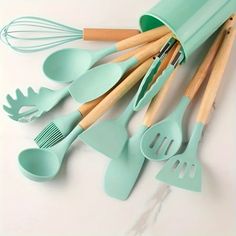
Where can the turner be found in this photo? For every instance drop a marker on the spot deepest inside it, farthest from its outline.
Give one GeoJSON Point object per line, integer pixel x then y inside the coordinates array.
{"type": "Point", "coordinates": [123, 172]}
{"type": "Point", "coordinates": [184, 170]}
{"type": "Point", "coordinates": [164, 139]}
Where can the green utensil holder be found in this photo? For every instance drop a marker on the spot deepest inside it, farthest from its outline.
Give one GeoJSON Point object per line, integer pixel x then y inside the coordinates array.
{"type": "Point", "coordinates": [191, 21]}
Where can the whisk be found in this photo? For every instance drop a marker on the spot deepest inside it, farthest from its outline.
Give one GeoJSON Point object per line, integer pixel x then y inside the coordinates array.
{"type": "Point", "coordinates": [31, 34]}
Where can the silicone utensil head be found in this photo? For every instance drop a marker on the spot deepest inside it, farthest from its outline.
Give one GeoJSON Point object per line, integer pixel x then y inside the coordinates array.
{"type": "Point", "coordinates": [44, 164]}
{"type": "Point", "coordinates": [68, 64]}
{"type": "Point", "coordinates": [114, 136]}
{"type": "Point", "coordinates": [99, 80]}
{"type": "Point", "coordinates": [191, 21]}
{"type": "Point", "coordinates": [164, 139]}
{"type": "Point", "coordinates": [38, 164]}
{"type": "Point", "coordinates": [123, 172]}
{"type": "Point", "coordinates": [184, 170]}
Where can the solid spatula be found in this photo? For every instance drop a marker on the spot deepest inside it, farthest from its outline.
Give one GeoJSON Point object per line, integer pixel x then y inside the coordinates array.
{"type": "Point", "coordinates": [164, 139]}
{"type": "Point", "coordinates": [93, 83]}
{"type": "Point", "coordinates": [113, 132]}
{"type": "Point", "coordinates": [123, 172]}
{"type": "Point", "coordinates": [184, 170]}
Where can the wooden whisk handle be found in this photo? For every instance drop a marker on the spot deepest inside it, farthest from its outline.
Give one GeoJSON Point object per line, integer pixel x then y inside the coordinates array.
{"type": "Point", "coordinates": [216, 77]}
{"type": "Point", "coordinates": [94, 34]}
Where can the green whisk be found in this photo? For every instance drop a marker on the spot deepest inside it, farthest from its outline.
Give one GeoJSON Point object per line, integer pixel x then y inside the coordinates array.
{"type": "Point", "coordinates": [31, 34]}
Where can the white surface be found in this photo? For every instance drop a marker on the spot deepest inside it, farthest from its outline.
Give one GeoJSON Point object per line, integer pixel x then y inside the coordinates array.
{"type": "Point", "coordinates": [74, 203]}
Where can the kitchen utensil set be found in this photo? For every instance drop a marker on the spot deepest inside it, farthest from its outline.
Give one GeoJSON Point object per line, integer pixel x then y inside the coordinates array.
{"type": "Point", "coordinates": [154, 59]}
{"type": "Point", "coordinates": [32, 34]}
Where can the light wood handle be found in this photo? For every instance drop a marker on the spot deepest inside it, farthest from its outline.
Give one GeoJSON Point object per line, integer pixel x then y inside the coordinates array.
{"type": "Point", "coordinates": [157, 101]}
{"type": "Point", "coordinates": [153, 48]}
{"type": "Point", "coordinates": [203, 70]}
{"type": "Point", "coordinates": [87, 107]}
{"type": "Point", "coordinates": [216, 77]}
{"type": "Point", "coordinates": [116, 94]}
{"type": "Point", "coordinates": [93, 34]}
{"type": "Point", "coordinates": [131, 53]}
{"type": "Point", "coordinates": [142, 38]}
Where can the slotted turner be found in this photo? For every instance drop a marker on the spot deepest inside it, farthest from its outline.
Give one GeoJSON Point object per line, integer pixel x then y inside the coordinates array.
{"type": "Point", "coordinates": [184, 170]}
{"type": "Point", "coordinates": [123, 172]}
{"type": "Point", "coordinates": [164, 139]}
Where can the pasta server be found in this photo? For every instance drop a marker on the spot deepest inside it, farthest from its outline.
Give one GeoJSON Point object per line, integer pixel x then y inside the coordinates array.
{"type": "Point", "coordinates": [26, 108]}
{"type": "Point", "coordinates": [184, 170]}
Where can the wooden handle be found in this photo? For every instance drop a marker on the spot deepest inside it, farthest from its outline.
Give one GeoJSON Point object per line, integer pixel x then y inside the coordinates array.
{"type": "Point", "coordinates": [216, 77]}
{"type": "Point", "coordinates": [201, 73]}
{"type": "Point", "coordinates": [93, 34]}
{"type": "Point", "coordinates": [115, 94]}
{"type": "Point", "coordinates": [131, 53]}
{"type": "Point", "coordinates": [153, 48]}
{"type": "Point", "coordinates": [157, 101]}
{"type": "Point", "coordinates": [142, 38]}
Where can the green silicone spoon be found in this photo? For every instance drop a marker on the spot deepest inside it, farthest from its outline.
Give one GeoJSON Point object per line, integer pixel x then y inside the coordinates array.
{"type": "Point", "coordinates": [93, 82]}
{"type": "Point", "coordinates": [164, 139]}
{"type": "Point", "coordinates": [184, 170]}
{"type": "Point", "coordinates": [66, 65]}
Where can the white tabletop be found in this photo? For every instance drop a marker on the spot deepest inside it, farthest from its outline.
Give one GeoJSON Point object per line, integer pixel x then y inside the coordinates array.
{"type": "Point", "coordinates": [74, 203]}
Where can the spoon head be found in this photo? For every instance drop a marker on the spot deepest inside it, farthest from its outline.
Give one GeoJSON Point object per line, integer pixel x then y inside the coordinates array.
{"type": "Point", "coordinates": [67, 65]}
{"type": "Point", "coordinates": [162, 141]}
{"type": "Point", "coordinates": [96, 82]}
{"type": "Point", "coordinates": [39, 164]}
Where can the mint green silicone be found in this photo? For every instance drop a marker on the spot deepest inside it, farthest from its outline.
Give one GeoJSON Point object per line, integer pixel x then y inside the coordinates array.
{"type": "Point", "coordinates": [34, 104]}
{"type": "Point", "coordinates": [123, 172]}
{"type": "Point", "coordinates": [184, 170]}
{"type": "Point", "coordinates": [68, 64]}
{"type": "Point", "coordinates": [44, 164]}
{"type": "Point", "coordinates": [57, 130]}
{"type": "Point", "coordinates": [144, 96]}
{"type": "Point", "coordinates": [114, 134]}
{"type": "Point", "coordinates": [192, 21]}
{"type": "Point", "coordinates": [99, 80]}
{"type": "Point", "coordinates": [164, 139]}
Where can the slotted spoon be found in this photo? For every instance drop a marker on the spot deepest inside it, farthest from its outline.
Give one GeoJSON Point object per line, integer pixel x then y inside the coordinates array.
{"type": "Point", "coordinates": [68, 64]}
{"type": "Point", "coordinates": [184, 170]}
{"type": "Point", "coordinates": [164, 139]}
